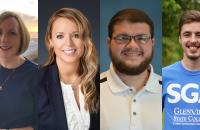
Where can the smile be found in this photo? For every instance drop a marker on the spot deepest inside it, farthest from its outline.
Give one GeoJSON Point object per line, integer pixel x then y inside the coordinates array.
{"type": "Point", "coordinates": [5, 48]}
{"type": "Point", "coordinates": [132, 53]}
{"type": "Point", "coordinates": [193, 47]}
{"type": "Point", "coordinates": [69, 51]}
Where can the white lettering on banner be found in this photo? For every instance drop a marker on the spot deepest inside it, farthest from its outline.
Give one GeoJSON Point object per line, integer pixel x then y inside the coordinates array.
{"type": "Point", "coordinates": [179, 111]}
{"type": "Point", "coordinates": [186, 116]}
{"type": "Point", "coordinates": [195, 96]}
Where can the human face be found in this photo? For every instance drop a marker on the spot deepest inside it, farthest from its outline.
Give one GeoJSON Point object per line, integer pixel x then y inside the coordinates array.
{"type": "Point", "coordinates": [9, 38]}
{"type": "Point", "coordinates": [190, 40]}
{"type": "Point", "coordinates": [66, 41]}
{"type": "Point", "coordinates": [134, 57]}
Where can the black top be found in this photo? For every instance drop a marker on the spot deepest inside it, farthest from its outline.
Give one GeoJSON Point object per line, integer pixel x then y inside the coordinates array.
{"type": "Point", "coordinates": [17, 99]}
{"type": "Point", "coordinates": [51, 108]}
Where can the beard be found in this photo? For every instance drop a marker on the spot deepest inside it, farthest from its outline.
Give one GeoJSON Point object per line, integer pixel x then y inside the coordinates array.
{"type": "Point", "coordinates": [122, 67]}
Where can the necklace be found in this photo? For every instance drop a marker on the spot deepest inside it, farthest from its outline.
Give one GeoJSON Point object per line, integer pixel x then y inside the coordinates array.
{"type": "Point", "coordinates": [6, 79]}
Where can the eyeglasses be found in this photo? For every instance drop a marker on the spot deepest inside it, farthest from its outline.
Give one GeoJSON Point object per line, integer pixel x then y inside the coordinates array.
{"type": "Point", "coordinates": [125, 39]}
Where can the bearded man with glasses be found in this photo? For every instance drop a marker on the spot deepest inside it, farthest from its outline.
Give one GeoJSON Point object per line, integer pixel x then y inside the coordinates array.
{"type": "Point", "coordinates": [130, 92]}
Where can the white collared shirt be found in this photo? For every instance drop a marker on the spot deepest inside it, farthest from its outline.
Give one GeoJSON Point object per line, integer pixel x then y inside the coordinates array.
{"type": "Point", "coordinates": [76, 119]}
{"type": "Point", "coordinates": [121, 108]}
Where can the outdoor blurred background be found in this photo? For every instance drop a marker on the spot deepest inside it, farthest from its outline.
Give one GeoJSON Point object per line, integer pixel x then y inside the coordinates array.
{"type": "Point", "coordinates": [171, 13]}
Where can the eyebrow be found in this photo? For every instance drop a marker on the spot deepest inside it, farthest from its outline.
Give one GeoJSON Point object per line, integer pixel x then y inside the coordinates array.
{"type": "Point", "coordinates": [76, 32]}
{"type": "Point", "coordinates": [187, 32]}
{"type": "Point", "coordinates": [191, 32]}
{"type": "Point", "coordinates": [59, 33]}
{"type": "Point", "coordinates": [63, 32]}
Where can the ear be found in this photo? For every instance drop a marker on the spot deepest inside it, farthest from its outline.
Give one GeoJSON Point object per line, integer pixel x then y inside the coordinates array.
{"type": "Point", "coordinates": [179, 39]}
{"type": "Point", "coordinates": [50, 43]}
{"type": "Point", "coordinates": [108, 41]}
{"type": "Point", "coordinates": [153, 41]}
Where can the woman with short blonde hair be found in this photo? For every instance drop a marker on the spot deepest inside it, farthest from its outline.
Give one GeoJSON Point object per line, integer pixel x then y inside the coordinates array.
{"type": "Point", "coordinates": [17, 75]}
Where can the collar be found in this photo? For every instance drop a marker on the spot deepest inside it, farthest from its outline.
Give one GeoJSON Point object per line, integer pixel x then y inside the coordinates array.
{"type": "Point", "coordinates": [117, 86]}
{"type": "Point", "coordinates": [153, 83]}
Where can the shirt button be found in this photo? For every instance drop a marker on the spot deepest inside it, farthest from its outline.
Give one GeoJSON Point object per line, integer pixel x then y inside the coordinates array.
{"type": "Point", "coordinates": [134, 100]}
{"type": "Point", "coordinates": [134, 113]}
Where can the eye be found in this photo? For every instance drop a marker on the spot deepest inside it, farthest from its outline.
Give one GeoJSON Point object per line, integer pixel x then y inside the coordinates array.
{"type": "Point", "coordinates": [59, 36]}
{"type": "Point", "coordinates": [13, 33]}
{"type": "Point", "coordinates": [186, 34]}
{"type": "Point", "coordinates": [75, 35]}
{"type": "Point", "coordinates": [198, 34]}
{"type": "Point", "coordinates": [122, 38]}
{"type": "Point", "coordinates": [142, 38]}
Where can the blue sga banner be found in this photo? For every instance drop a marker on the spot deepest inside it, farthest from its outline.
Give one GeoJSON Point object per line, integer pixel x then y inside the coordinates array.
{"type": "Point", "coordinates": [181, 98]}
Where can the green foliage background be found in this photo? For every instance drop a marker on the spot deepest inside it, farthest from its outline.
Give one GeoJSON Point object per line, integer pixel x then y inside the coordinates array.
{"type": "Point", "coordinates": [171, 13]}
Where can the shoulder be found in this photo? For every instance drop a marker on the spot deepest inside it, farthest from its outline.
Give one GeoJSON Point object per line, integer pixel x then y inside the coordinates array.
{"type": "Point", "coordinates": [29, 65]}
{"type": "Point", "coordinates": [47, 69]}
{"type": "Point", "coordinates": [44, 72]}
{"type": "Point", "coordinates": [171, 70]}
{"type": "Point", "coordinates": [171, 67]}
{"type": "Point", "coordinates": [103, 77]}
{"type": "Point", "coordinates": [158, 78]}
{"type": "Point", "coordinates": [28, 69]}
{"type": "Point", "coordinates": [104, 82]}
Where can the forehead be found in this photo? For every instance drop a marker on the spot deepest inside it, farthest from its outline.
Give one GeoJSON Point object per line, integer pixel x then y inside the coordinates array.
{"type": "Point", "coordinates": [9, 23]}
{"type": "Point", "coordinates": [191, 27]}
{"type": "Point", "coordinates": [64, 24]}
{"type": "Point", "coordinates": [131, 28]}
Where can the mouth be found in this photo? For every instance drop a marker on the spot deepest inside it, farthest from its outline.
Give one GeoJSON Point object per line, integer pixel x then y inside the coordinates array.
{"type": "Point", "coordinates": [69, 51]}
{"type": "Point", "coordinates": [193, 48]}
{"type": "Point", "coordinates": [5, 48]}
{"type": "Point", "coordinates": [131, 53]}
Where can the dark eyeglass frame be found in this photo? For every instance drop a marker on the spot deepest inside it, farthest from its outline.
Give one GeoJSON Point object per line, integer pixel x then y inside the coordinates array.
{"type": "Point", "coordinates": [140, 39]}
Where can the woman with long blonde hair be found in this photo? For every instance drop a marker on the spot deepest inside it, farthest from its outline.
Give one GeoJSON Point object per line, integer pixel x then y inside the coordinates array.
{"type": "Point", "coordinates": [69, 96]}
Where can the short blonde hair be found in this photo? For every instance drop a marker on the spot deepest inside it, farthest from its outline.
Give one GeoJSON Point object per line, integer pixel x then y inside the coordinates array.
{"type": "Point", "coordinates": [24, 34]}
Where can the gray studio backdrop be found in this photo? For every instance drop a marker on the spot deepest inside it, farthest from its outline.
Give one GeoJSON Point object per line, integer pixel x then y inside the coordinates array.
{"type": "Point", "coordinates": [152, 7]}
{"type": "Point", "coordinates": [90, 8]}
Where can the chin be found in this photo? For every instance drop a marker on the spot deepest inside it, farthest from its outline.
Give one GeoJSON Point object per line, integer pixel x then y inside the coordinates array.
{"type": "Point", "coordinates": [132, 66]}
{"type": "Point", "coordinates": [70, 60]}
{"type": "Point", "coordinates": [6, 56]}
{"type": "Point", "coordinates": [193, 57]}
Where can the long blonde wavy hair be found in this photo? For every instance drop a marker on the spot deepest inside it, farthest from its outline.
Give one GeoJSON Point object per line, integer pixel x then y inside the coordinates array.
{"type": "Point", "coordinates": [89, 61]}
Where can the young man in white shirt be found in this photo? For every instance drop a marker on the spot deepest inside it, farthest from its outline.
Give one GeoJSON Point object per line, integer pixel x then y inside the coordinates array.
{"type": "Point", "coordinates": [130, 92]}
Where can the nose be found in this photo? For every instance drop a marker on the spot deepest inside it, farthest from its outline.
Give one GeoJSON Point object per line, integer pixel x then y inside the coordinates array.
{"type": "Point", "coordinates": [4, 38]}
{"type": "Point", "coordinates": [132, 43]}
{"type": "Point", "coordinates": [193, 38]}
{"type": "Point", "coordinates": [68, 40]}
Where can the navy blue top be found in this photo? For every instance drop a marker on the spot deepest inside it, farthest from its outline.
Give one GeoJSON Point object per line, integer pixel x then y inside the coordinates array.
{"type": "Point", "coordinates": [51, 108]}
{"type": "Point", "coordinates": [17, 98]}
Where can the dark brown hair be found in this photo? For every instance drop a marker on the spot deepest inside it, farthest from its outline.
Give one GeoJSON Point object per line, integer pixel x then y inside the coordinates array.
{"type": "Point", "coordinates": [189, 17]}
{"type": "Point", "coordinates": [132, 16]}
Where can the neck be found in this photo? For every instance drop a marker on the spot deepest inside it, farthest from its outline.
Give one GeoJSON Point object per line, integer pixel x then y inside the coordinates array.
{"type": "Point", "coordinates": [11, 63]}
{"type": "Point", "coordinates": [68, 72]}
{"type": "Point", "coordinates": [135, 81]}
{"type": "Point", "coordinates": [192, 65]}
